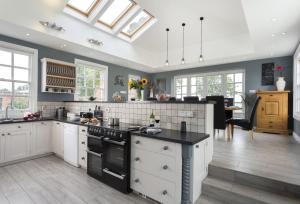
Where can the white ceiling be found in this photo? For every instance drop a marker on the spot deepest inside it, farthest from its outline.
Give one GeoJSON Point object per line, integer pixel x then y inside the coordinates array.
{"type": "Point", "coordinates": [234, 30]}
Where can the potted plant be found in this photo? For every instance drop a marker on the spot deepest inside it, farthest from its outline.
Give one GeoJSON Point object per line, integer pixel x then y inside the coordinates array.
{"type": "Point", "coordinates": [139, 86]}
{"type": "Point", "coordinates": [280, 81]}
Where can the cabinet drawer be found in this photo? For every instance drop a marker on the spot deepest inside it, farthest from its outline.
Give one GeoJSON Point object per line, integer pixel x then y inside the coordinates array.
{"type": "Point", "coordinates": [278, 125]}
{"type": "Point", "coordinates": [83, 130]}
{"type": "Point", "coordinates": [82, 158]}
{"type": "Point", "coordinates": [82, 141]}
{"type": "Point", "coordinates": [153, 187]}
{"type": "Point", "coordinates": [17, 127]}
{"type": "Point", "coordinates": [156, 164]}
{"type": "Point", "coordinates": [272, 97]}
{"type": "Point", "coordinates": [158, 146]}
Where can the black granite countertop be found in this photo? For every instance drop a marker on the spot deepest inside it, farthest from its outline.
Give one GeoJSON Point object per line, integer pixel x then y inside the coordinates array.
{"type": "Point", "coordinates": [188, 138]}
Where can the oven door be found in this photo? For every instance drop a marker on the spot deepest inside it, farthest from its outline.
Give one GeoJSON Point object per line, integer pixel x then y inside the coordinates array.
{"type": "Point", "coordinates": [94, 164]}
{"type": "Point", "coordinates": [114, 156]}
{"type": "Point", "coordinates": [95, 144]}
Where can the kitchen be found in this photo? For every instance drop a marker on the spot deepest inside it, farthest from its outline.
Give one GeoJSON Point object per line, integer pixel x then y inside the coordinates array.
{"type": "Point", "coordinates": [113, 101]}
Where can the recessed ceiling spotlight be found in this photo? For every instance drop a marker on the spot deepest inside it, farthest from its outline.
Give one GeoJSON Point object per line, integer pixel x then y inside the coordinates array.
{"type": "Point", "coordinates": [283, 33]}
{"type": "Point", "coordinates": [63, 45]}
{"type": "Point", "coordinates": [274, 19]}
{"type": "Point", "coordinates": [273, 34]}
{"type": "Point", "coordinates": [27, 34]}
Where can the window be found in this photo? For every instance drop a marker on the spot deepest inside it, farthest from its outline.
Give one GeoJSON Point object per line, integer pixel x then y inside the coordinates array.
{"type": "Point", "coordinates": [229, 84]}
{"type": "Point", "coordinates": [132, 92]}
{"type": "Point", "coordinates": [91, 80]}
{"type": "Point", "coordinates": [84, 7]}
{"type": "Point", "coordinates": [137, 23]}
{"type": "Point", "coordinates": [115, 12]}
{"type": "Point", "coordinates": [17, 89]}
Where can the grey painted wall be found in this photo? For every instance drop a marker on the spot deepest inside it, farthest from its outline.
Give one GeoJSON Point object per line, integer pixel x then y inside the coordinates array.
{"type": "Point", "coordinates": [252, 72]}
{"type": "Point", "coordinates": [252, 76]}
{"type": "Point", "coordinates": [47, 52]}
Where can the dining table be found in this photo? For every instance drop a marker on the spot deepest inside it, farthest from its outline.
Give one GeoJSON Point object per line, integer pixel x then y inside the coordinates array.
{"type": "Point", "coordinates": [229, 111]}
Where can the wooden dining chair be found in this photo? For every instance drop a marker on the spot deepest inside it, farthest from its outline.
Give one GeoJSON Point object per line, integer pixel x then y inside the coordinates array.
{"type": "Point", "coordinates": [246, 123]}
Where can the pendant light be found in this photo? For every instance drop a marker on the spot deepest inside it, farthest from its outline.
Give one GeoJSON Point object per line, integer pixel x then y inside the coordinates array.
{"type": "Point", "coordinates": [201, 53]}
{"type": "Point", "coordinates": [182, 59]}
{"type": "Point", "coordinates": [167, 60]}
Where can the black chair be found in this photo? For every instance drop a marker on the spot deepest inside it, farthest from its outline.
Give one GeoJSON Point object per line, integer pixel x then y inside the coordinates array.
{"type": "Point", "coordinates": [219, 112]}
{"type": "Point", "coordinates": [228, 102]}
{"type": "Point", "coordinates": [247, 123]}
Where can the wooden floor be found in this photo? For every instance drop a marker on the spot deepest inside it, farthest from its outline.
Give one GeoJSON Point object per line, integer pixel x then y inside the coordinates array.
{"type": "Point", "coordinates": [269, 155]}
{"type": "Point", "coordinates": [51, 180]}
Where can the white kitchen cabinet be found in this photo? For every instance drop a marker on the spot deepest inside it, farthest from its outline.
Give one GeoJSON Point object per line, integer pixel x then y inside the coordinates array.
{"type": "Point", "coordinates": [41, 138]}
{"type": "Point", "coordinates": [17, 144]}
{"type": "Point", "coordinates": [82, 146]}
{"type": "Point", "coordinates": [71, 144]}
{"type": "Point", "coordinates": [2, 146]}
{"type": "Point", "coordinates": [58, 138]}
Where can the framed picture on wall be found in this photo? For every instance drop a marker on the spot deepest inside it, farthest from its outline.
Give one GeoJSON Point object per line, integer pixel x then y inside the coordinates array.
{"type": "Point", "coordinates": [267, 74]}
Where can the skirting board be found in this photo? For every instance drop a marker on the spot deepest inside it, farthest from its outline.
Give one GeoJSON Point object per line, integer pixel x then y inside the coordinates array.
{"type": "Point", "coordinates": [25, 159]}
{"type": "Point", "coordinates": [296, 137]}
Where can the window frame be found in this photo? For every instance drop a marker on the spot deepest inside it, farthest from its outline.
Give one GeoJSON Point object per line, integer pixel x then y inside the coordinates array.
{"type": "Point", "coordinates": [296, 85]}
{"type": "Point", "coordinates": [32, 74]}
{"type": "Point", "coordinates": [119, 17]}
{"type": "Point", "coordinates": [205, 84]}
{"type": "Point", "coordinates": [140, 27]}
{"type": "Point", "coordinates": [104, 68]}
{"type": "Point", "coordinates": [88, 13]}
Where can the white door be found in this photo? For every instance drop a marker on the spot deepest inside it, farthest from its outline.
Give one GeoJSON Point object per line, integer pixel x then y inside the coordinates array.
{"type": "Point", "coordinates": [17, 145]}
{"type": "Point", "coordinates": [71, 144]}
{"type": "Point", "coordinates": [2, 146]}
{"type": "Point", "coordinates": [42, 138]}
{"type": "Point", "coordinates": [58, 138]}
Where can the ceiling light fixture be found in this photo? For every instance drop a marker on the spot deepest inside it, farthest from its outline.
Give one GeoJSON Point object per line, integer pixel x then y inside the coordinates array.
{"type": "Point", "coordinates": [273, 34]}
{"type": "Point", "coordinates": [182, 59]}
{"type": "Point", "coordinates": [27, 34]}
{"type": "Point", "coordinates": [201, 53]}
{"type": "Point", "coordinates": [52, 26]}
{"type": "Point", "coordinates": [95, 42]}
{"type": "Point", "coordinates": [274, 19]}
{"type": "Point", "coordinates": [283, 33]}
{"type": "Point", "coordinates": [167, 60]}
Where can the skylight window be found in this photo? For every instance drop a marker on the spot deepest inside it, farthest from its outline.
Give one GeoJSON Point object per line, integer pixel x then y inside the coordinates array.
{"type": "Point", "coordinates": [137, 23]}
{"type": "Point", "coordinates": [84, 7]}
{"type": "Point", "coordinates": [115, 12]}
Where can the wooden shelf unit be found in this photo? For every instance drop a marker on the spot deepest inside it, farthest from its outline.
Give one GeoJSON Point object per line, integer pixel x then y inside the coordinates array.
{"type": "Point", "coordinates": [58, 76]}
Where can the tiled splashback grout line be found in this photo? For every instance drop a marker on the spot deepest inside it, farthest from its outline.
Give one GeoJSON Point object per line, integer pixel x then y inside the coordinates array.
{"type": "Point", "coordinates": [138, 113]}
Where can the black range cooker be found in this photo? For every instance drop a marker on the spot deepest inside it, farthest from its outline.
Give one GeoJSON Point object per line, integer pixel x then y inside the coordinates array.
{"type": "Point", "coordinates": [109, 156]}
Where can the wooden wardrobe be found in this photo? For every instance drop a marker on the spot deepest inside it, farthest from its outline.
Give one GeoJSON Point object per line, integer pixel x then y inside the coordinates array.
{"type": "Point", "coordinates": [272, 112]}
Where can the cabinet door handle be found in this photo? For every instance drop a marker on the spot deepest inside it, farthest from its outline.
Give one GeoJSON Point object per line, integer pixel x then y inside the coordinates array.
{"type": "Point", "coordinates": [137, 142]}
{"type": "Point", "coordinates": [165, 167]}
{"type": "Point", "coordinates": [82, 158]}
{"type": "Point", "coordinates": [19, 126]}
{"type": "Point", "coordinates": [166, 148]}
{"type": "Point", "coordinates": [3, 135]}
{"type": "Point", "coordinates": [83, 143]}
{"type": "Point", "coordinates": [271, 95]}
{"type": "Point", "coordinates": [8, 133]}
{"type": "Point", "coordinates": [137, 159]}
{"type": "Point", "coordinates": [197, 146]}
{"type": "Point", "coordinates": [165, 192]}
{"type": "Point", "coordinates": [137, 180]}
{"type": "Point", "coordinates": [82, 130]}
{"type": "Point", "coordinates": [57, 123]}
{"type": "Point", "coordinates": [262, 109]}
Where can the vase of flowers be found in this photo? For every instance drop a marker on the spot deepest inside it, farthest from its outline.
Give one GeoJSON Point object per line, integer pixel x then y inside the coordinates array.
{"type": "Point", "coordinates": [139, 86]}
{"type": "Point", "coordinates": [280, 83]}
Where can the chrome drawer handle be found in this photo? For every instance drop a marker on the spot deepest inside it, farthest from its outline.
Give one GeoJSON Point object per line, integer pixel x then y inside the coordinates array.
{"type": "Point", "coordinates": [8, 133]}
{"type": "Point", "coordinates": [82, 130]}
{"type": "Point", "coordinates": [165, 192]}
{"type": "Point", "coordinates": [3, 135]}
{"type": "Point", "coordinates": [106, 170]}
{"type": "Point", "coordinates": [166, 147]}
{"type": "Point", "coordinates": [165, 167]}
{"type": "Point", "coordinates": [137, 159]}
{"type": "Point", "coordinates": [137, 180]}
{"type": "Point", "coordinates": [19, 126]}
{"type": "Point", "coordinates": [137, 142]}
